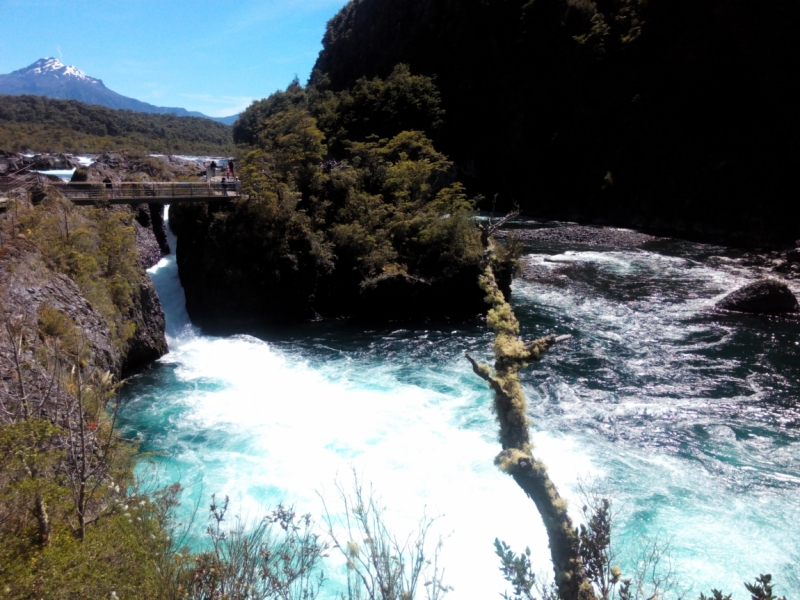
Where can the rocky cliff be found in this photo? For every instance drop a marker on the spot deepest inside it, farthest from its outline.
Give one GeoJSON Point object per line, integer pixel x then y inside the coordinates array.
{"type": "Point", "coordinates": [149, 342]}
{"type": "Point", "coordinates": [28, 286]}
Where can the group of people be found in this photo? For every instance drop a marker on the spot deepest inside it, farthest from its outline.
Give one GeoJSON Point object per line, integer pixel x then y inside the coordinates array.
{"type": "Point", "coordinates": [227, 185]}
{"type": "Point", "coordinates": [212, 169]}
{"type": "Point", "coordinates": [229, 181]}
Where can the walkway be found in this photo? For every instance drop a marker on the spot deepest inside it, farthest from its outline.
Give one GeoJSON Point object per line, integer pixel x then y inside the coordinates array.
{"type": "Point", "coordinates": [137, 193]}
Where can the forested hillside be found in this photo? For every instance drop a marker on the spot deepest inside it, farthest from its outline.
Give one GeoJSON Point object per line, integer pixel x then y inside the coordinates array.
{"type": "Point", "coordinates": [663, 113]}
{"type": "Point", "coordinates": [37, 123]}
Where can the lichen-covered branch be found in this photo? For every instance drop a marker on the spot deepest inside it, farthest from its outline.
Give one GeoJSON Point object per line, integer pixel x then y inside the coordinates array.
{"type": "Point", "coordinates": [516, 459]}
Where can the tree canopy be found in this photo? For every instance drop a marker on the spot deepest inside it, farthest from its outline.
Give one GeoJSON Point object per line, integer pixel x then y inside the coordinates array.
{"type": "Point", "coordinates": [351, 210]}
{"type": "Point", "coordinates": [668, 113]}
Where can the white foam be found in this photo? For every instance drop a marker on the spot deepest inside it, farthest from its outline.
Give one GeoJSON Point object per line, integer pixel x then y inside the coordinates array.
{"type": "Point", "coordinates": [263, 424]}
{"type": "Point", "coordinates": [274, 428]}
{"type": "Point", "coordinates": [65, 174]}
{"type": "Point", "coordinates": [288, 427]}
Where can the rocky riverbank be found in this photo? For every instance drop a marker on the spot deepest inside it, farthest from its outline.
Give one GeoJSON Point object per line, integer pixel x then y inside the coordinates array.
{"type": "Point", "coordinates": [783, 263]}
{"type": "Point", "coordinates": [13, 162]}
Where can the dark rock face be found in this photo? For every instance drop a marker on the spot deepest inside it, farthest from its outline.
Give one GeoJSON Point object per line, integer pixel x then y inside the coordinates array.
{"type": "Point", "coordinates": [29, 286]}
{"type": "Point", "coordinates": [149, 224]}
{"type": "Point", "coordinates": [159, 227]}
{"type": "Point", "coordinates": [148, 343]}
{"type": "Point", "coordinates": [766, 296]}
{"type": "Point", "coordinates": [400, 296]}
{"type": "Point", "coordinates": [227, 291]}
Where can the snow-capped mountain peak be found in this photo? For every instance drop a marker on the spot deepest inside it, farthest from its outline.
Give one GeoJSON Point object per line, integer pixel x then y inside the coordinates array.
{"type": "Point", "coordinates": [53, 66]}
{"type": "Point", "coordinates": [52, 78]}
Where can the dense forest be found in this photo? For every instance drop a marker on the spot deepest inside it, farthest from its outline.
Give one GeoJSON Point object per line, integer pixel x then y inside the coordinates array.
{"type": "Point", "coordinates": [351, 211]}
{"type": "Point", "coordinates": [38, 123]}
{"type": "Point", "coordinates": [665, 114]}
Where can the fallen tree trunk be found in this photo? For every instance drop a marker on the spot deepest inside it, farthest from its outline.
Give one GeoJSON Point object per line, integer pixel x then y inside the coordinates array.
{"type": "Point", "coordinates": [516, 458]}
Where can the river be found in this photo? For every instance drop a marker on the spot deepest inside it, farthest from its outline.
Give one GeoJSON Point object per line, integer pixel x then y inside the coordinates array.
{"type": "Point", "coordinates": [687, 418]}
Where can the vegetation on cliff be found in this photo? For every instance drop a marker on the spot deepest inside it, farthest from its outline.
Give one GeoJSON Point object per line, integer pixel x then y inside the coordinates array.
{"type": "Point", "coordinates": [664, 113]}
{"type": "Point", "coordinates": [93, 247]}
{"type": "Point", "coordinates": [350, 212]}
{"type": "Point", "coordinates": [69, 524]}
{"type": "Point", "coordinates": [38, 123]}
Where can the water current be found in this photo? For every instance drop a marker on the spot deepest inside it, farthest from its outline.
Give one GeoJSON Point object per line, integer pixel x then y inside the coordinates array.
{"type": "Point", "coordinates": [687, 418]}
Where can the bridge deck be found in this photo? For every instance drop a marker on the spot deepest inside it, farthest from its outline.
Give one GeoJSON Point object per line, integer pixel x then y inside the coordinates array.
{"type": "Point", "coordinates": [140, 193]}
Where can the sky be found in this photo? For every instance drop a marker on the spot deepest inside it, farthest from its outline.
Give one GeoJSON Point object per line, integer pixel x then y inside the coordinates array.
{"type": "Point", "coordinates": [213, 57]}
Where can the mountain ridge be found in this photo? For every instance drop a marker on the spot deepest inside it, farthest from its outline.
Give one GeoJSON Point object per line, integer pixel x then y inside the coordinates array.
{"type": "Point", "coordinates": [51, 78]}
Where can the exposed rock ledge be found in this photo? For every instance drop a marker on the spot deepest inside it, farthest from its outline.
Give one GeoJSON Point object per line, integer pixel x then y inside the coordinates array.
{"type": "Point", "coordinates": [27, 285]}
{"type": "Point", "coordinates": [766, 296]}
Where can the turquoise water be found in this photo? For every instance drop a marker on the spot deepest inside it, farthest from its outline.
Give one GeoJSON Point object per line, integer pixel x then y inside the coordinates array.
{"type": "Point", "coordinates": [688, 418]}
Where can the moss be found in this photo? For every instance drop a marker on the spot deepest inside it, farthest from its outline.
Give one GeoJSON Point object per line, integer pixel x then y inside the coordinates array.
{"type": "Point", "coordinates": [516, 459]}
{"type": "Point", "coordinates": [508, 460]}
{"type": "Point", "coordinates": [485, 369]}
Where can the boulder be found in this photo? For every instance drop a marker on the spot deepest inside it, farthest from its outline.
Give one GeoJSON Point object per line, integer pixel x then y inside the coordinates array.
{"type": "Point", "coordinates": [48, 162]}
{"type": "Point", "coordinates": [766, 296]}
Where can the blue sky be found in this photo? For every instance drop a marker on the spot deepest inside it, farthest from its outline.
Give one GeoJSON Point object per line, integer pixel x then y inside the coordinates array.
{"type": "Point", "coordinates": [215, 57]}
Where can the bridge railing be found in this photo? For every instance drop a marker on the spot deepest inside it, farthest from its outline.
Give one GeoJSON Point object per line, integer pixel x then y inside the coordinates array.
{"type": "Point", "coordinates": [147, 190]}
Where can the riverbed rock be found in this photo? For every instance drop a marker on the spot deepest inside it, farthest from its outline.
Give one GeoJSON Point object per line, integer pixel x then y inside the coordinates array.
{"type": "Point", "coordinates": [48, 162]}
{"type": "Point", "coordinates": [584, 235]}
{"type": "Point", "coordinates": [766, 296]}
{"type": "Point", "coordinates": [132, 166]}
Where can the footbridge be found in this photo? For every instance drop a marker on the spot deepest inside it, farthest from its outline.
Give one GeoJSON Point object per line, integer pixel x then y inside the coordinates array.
{"type": "Point", "coordinates": [170, 192]}
{"type": "Point", "coordinates": [140, 193]}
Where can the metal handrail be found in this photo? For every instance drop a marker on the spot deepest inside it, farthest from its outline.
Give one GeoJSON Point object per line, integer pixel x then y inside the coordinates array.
{"type": "Point", "coordinates": [155, 190]}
